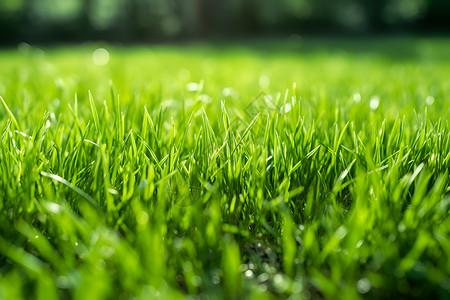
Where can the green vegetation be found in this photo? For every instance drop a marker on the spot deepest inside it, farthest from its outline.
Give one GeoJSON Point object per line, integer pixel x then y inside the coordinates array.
{"type": "Point", "coordinates": [226, 172]}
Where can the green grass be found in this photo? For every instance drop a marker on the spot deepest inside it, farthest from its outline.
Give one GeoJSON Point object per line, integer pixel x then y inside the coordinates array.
{"type": "Point", "coordinates": [269, 171]}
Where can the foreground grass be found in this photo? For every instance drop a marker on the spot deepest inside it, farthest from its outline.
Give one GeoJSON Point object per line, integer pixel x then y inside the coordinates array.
{"type": "Point", "coordinates": [232, 173]}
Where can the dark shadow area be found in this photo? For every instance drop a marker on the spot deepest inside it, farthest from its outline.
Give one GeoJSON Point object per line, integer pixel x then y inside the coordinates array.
{"type": "Point", "coordinates": [395, 47]}
{"type": "Point", "coordinates": [150, 21]}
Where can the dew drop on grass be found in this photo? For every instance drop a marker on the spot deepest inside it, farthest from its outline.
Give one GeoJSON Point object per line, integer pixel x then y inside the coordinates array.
{"type": "Point", "coordinates": [286, 108]}
{"type": "Point", "coordinates": [59, 83]}
{"type": "Point", "coordinates": [193, 86]}
{"type": "Point", "coordinates": [178, 243]}
{"type": "Point", "coordinates": [357, 97]}
{"type": "Point", "coordinates": [205, 98]}
{"type": "Point", "coordinates": [142, 217]}
{"type": "Point", "coordinates": [215, 280]}
{"type": "Point", "coordinates": [263, 288]}
{"type": "Point", "coordinates": [243, 267]}
{"type": "Point", "coordinates": [359, 244]}
{"type": "Point", "coordinates": [268, 99]}
{"type": "Point", "coordinates": [429, 100]}
{"type": "Point", "coordinates": [363, 286]}
{"type": "Point", "coordinates": [248, 274]}
{"type": "Point", "coordinates": [341, 232]}
{"type": "Point", "coordinates": [264, 81]}
{"type": "Point", "coordinates": [107, 251]}
{"type": "Point", "coordinates": [100, 57]}
{"type": "Point", "coordinates": [374, 102]}
{"type": "Point", "coordinates": [53, 207]}
{"type": "Point", "coordinates": [263, 277]}
{"type": "Point", "coordinates": [228, 92]}
{"type": "Point", "coordinates": [281, 283]}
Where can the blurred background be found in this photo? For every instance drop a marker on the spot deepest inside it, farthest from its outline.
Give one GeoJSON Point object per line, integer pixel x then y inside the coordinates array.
{"type": "Point", "coordinates": [141, 21]}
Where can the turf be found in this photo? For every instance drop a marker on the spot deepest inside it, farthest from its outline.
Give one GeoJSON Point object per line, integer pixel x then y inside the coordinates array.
{"type": "Point", "coordinates": [302, 169]}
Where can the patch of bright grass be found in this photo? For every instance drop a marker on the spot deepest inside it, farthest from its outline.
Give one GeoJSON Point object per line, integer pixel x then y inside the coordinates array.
{"type": "Point", "coordinates": [225, 172]}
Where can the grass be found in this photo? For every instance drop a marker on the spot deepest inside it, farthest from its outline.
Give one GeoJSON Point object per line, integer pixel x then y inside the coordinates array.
{"type": "Point", "coordinates": [226, 172]}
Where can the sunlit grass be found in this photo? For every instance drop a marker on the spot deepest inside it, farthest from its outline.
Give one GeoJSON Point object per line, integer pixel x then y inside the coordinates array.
{"type": "Point", "coordinates": [225, 172]}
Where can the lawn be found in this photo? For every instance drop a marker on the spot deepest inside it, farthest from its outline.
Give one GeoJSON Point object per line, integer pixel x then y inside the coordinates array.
{"type": "Point", "coordinates": [300, 169]}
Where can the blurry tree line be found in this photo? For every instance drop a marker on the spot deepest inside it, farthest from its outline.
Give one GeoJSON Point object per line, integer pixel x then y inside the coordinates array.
{"type": "Point", "coordinates": [149, 20]}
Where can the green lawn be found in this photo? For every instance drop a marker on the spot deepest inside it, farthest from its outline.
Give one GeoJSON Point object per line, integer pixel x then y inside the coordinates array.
{"type": "Point", "coordinates": [267, 169]}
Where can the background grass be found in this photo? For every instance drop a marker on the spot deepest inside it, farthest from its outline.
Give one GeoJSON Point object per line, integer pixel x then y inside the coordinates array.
{"type": "Point", "coordinates": [302, 169]}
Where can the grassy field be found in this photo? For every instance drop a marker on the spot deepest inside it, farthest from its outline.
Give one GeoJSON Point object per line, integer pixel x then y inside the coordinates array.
{"type": "Point", "coordinates": [304, 169]}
